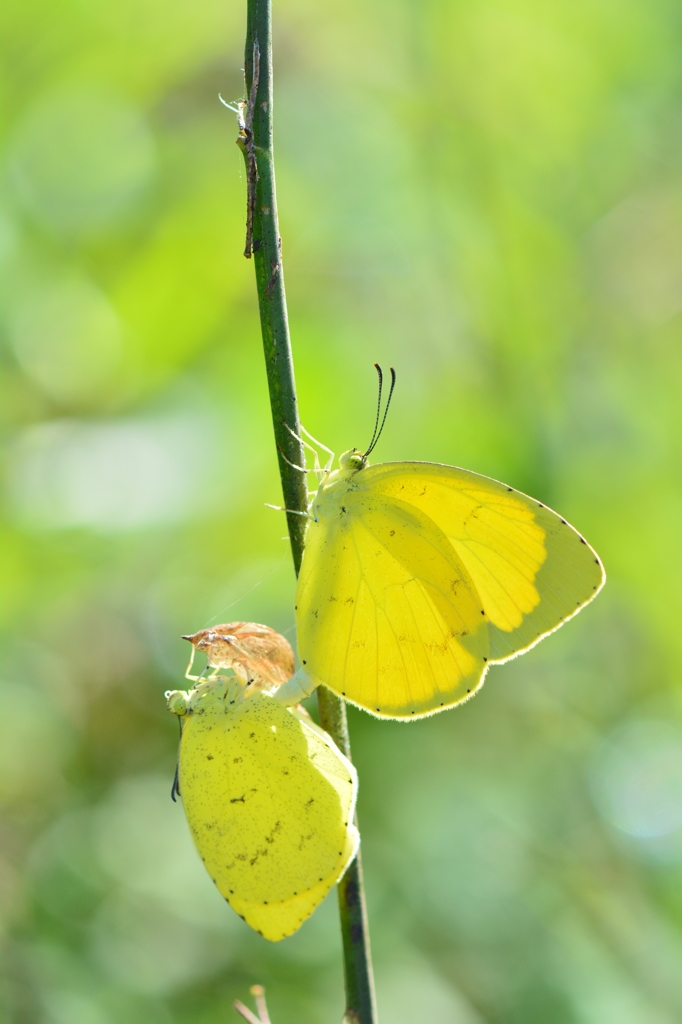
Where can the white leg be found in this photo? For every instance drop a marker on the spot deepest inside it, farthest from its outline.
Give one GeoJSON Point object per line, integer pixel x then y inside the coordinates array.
{"type": "Point", "coordinates": [291, 511]}
{"type": "Point", "coordinates": [300, 439]}
{"type": "Point", "coordinates": [301, 469]}
{"type": "Point", "coordinates": [317, 468]}
{"type": "Point", "coordinates": [318, 443]}
{"type": "Point", "coordinates": [322, 471]}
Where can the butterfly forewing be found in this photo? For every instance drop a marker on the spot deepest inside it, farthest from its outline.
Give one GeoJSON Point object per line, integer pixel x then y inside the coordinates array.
{"type": "Point", "coordinates": [531, 569]}
{"type": "Point", "coordinates": [387, 613]}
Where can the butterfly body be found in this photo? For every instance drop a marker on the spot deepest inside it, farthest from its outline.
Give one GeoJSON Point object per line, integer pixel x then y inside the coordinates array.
{"type": "Point", "coordinates": [417, 576]}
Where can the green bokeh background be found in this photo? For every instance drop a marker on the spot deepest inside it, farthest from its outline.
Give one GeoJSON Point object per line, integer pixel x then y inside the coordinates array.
{"type": "Point", "coordinates": [485, 194]}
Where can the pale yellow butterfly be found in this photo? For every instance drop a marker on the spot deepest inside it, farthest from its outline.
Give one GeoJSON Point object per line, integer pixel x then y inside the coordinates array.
{"type": "Point", "coordinates": [416, 577]}
{"type": "Point", "coordinates": [269, 800]}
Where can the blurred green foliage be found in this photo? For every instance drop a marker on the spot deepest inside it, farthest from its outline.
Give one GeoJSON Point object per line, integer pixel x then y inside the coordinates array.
{"type": "Point", "coordinates": [486, 194]}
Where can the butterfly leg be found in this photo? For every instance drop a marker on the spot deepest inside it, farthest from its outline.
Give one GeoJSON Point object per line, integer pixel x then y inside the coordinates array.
{"type": "Point", "coordinates": [301, 469]}
{"type": "Point", "coordinates": [327, 468]}
{"type": "Point", "coordinates": [317, 466]}
{"type": "Point", "coordinates": [291, 511]}
{"type": "Point", "coordinates": [318, 443]}
{"type": "Point", "coordinates": [302, 440]}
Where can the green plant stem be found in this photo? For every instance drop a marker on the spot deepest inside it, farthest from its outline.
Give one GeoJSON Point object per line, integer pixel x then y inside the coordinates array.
{"type": "Point", "coordinates": [357, 958]}
{"type": "Point", "coordinates": [263, 244]}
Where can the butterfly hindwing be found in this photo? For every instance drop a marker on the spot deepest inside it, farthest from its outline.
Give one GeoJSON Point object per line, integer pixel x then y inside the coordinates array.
{"type": "Point", "coordinates": [269, 800]}
{"type": "Point", "coordinates": [417, 576]}
{"type": "Point", "coordinates": [531, 569]}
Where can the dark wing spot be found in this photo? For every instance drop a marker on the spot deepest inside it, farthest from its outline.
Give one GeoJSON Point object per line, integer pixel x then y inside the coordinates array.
{"type": "Point", "coordinates": [540, 505]}
{"type": "Point", "coordinates": [305, 662]}
{"type": "Point", "coordinates": [583, 541]}
{"type": "Point", "coordinates": [510, 488]}
{"type": "Point", "coordinates": [485, 659]}
{"type": "Point", "coordinates": [596, 561]}
{"type": "Point", "coordinates": [564, 522]}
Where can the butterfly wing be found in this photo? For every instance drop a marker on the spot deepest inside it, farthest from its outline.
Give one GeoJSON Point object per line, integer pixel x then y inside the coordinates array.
{"type": "Point", "coordinates": [387, 613]}
{"type": "Point", "coordinates": [532, 570]}
{"type": "Point", "coordinates": [270, 802]}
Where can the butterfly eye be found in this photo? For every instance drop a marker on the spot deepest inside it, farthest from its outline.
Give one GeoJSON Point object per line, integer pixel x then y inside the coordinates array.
{"type": "Point", "coordinates": [352, 460]}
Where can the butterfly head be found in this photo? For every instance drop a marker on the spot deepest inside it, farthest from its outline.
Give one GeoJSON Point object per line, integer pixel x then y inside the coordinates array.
{"type": "Point", "coordinates": [351, 461]}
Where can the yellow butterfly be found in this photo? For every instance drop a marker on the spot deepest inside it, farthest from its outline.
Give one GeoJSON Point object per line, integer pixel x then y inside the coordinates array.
{"type": "Point", "coordinates": [268, 796]}
{"type": "Point", "coordinates": [416, 577]}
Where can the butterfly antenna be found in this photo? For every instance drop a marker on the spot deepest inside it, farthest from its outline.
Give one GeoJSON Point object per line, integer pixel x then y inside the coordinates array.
{"type": "Point", "coordinates": [379, 429]}
{"type": "Point", "coordinates": [376, 422]}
